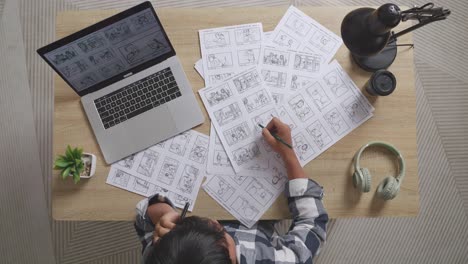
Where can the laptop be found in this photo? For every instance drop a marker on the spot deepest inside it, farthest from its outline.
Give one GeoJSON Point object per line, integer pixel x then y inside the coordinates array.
{"type": "Point", "coordinates": [131, 83]}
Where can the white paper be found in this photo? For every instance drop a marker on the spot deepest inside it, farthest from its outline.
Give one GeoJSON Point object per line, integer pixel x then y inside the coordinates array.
{"type": "Point", "coordinates": [246, 198]}
{"type": "Point", "coordinates": [175, 167]}
{"type": "Point", "coordinates": [228, 50]}
{"type": "Point", "coordinates": [286, 72]}
{"type": "Point", "coordinates": [297, 31]}
{"type": "Point", "coordinates": [236, 107]}
{"type": "Point", "coordinates": [324, 112]}
{"type": "Point", "coordinates": [199, 63]}
{"type": "Point", "coordinates": [219, 163]}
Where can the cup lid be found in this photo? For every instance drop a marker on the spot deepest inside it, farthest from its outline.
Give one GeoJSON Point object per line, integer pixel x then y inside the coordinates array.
{"type": "Point", "coordinates": [383, 82]}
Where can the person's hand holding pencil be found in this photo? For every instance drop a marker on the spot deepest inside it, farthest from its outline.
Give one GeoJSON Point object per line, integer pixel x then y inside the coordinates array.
{"type": "Point", "coordinates": [278, 135]}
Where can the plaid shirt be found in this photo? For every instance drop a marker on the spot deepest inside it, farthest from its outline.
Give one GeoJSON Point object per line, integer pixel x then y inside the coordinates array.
{"type": "Point", "coordinates": [261, 243]}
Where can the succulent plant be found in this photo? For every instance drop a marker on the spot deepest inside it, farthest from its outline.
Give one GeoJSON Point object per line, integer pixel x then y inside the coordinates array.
{"type": "Point", "coordinates": [70, 164]}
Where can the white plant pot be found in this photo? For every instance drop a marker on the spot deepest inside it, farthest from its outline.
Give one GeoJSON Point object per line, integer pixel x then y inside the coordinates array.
{"type": "Point", "coordinates": [92, 159]}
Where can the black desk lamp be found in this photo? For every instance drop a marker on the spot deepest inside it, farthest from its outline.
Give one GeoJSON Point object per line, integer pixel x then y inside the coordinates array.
{"type": "Point", "coordinates": [367, 32]}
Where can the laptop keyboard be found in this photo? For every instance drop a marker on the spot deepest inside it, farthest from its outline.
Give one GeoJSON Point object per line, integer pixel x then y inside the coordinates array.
{"type": "Point", "coordinates": [136, 98]}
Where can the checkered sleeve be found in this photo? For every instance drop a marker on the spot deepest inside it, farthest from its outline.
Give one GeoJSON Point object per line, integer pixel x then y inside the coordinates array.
{"type": "Point", "coordinates": [144, 227]}
{"type": "Point", "coordinates": [308, 230]}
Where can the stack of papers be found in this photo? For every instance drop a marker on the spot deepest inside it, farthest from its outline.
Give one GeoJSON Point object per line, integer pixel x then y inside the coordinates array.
{"type": "Point", "coordinates": [252, 76]}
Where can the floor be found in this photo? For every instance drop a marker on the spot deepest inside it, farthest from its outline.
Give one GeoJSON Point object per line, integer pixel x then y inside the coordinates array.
{"type": "Point", "coordinates": [438, 235]}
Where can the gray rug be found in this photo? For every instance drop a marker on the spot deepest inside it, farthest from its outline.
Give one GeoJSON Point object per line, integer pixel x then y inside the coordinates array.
{"type": "Point", "coordinates": [438, 235]}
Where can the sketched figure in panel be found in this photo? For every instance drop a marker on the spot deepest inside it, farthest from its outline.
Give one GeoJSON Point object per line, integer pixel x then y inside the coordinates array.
{"type": "Point", "coordinates": [187, 181]}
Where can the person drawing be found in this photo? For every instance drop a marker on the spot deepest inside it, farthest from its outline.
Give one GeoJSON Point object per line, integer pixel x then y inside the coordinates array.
{"type": "Point", "coordinates": [168, 239]}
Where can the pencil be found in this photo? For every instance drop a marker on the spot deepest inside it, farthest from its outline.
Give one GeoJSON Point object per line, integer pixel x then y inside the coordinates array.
{"type": "Point", "coordinates": [278, 138]}
{"type": "Point", "coordinates": [184, 211]}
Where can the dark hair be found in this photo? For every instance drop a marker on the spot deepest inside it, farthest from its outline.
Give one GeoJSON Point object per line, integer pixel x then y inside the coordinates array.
{"type": "Point", "coordinates": [195, 240]}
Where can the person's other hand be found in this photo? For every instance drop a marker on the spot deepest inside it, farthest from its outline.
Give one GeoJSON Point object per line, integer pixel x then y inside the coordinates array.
{"type": "Point", "coordinates": [284, 132]}
{"type": "Point", "coordinates": [166, 223]}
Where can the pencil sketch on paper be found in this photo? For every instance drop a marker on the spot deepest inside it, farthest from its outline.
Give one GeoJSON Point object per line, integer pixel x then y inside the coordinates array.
{"type": "Point", "coordinates": [278, 98]}
{"type": "Point", "coordinates": [302, 147]}
{"type": "Point", "coordinates": [308, 63]}
{"type": "Point", "coordinates": [319, 135]}
{"type": "Point", "coordinates": [246, 81]}
{"type": "Point", "coordinates": [160, 190]}
{"type": "Point", "coordinates": [263, 119]}
{"type": "Point", "coordinates": [274, 78]}
{"type": "Point", "coordinates": [92, 43]}
{"type": "Point", "coordinates": [275, 57]}
{"type": "Point", "coordinates": [118, 32]}
{"type": "Point", "coordinates": [101, 57]}
{"type": "Point", "coordinates": [141, 186]}
{"type": "Point", "coordinates": [244, 208]}
{"type": "Point", "coordinates": [127, 162]}
{"type": "Point", "coordinates": [121, 178]}
{"type": "Point", "coordinates": [220, 158]}
{"type": "Point", "coordinates": [259, 166]}
{"type": "Point", "coordinates": [323, 41]}
{"type": "Point", "coordinates": [237, 133]}
{"type": "Point", "coordinates": [256, 100]}
{"type": "Point", "coordinates": [199, 150]}
{"type": "Point", "coordinates": [335, 83]}
{"type": "Point", "coordinates": [142, 21]}
{"type": "Point", "coordinates": [219, 60]}
{"type": "Point", "coordinates": [283, 39]}
{"type": "Point", "coordinates": [219, 77]}
{"type": "Point", "coordinates": [336, 121]}
{"type": "Point", "coordinates": [248, 36]}
{"type": "Point", "coordinates": [299, 82]}
{"type": "Point", "coordinates": [188, 179]}
{"type": "Point", "coordinates": [300, 107]}
{"type": "Point", "coordinates": [297, 25]}
{"type": "Point", "coordinates": [161, 144]}
{"type": "Point", "coordinates": [112, 68]}
{"type": "Point", "coordinates": [319, 97]}
{"type": "Point", "coordinates": [227, 114]}
{"type": "Point", "coordinates": [286, 118]}
{"type": "Point", "coordinates": [354, 109]}
{"type": "Point", "coordinates": [218, 94]}
{"type": "Point", "coordinates": [259, 192]}
{"type": "Point", "coordinates": [148, 163]}
{"type": "Point", "coordinates": [239, 179]}
{"type": "Point", "coordinates": [180, 143]}
{"type": "Point", "coordinates": [64, 55]}
{"type": "Point", "coordinates": [74, 68]}
{"type": "Point", "coordinates": [221, 188]}
{"type": "Point", "coordinates": [279, 178]}
{"type": "Point", "coordinates": [168, 171]}
{"type": "Point", "coordinates": [217, 39]}
{"type": "Point", "coordinates": [246, 153]}
{"type": "Point", "coordinates": [248, 56]}
{"type": "Point", "coordinates": [181, 200]}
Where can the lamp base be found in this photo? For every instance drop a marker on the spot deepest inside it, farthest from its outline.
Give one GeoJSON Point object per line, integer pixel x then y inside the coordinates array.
{"type": "Point", "coordinates": [383, 60]}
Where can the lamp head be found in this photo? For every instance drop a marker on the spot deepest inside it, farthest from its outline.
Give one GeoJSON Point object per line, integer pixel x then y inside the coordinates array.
{"type": "Point", "coordinates": [366, 31]}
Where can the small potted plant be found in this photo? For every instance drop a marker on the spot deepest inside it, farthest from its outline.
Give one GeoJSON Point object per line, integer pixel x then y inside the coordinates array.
{"type": "Point", "coordinates": [76, 164]}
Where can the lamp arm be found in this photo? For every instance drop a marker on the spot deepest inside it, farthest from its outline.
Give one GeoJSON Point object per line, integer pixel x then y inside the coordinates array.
{"type": "Point", "coordinates": [425, 14]}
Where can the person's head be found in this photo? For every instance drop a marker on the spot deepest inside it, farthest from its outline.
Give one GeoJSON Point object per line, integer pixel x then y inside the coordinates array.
{"type": "Point", "coordinates": [195, 240]}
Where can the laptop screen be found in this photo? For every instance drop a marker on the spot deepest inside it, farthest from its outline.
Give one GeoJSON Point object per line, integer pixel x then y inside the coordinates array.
{"type": "Point", "coordinates": [128, 41]}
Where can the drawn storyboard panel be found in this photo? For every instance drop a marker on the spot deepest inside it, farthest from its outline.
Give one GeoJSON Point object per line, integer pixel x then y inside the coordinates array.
{"type": "Point", "coordinates": [199, 63]}
{"type": "Point", "coordinates": [236, 107]}
{"type": "Point", "coordinates": [228, 50]}
{"type": "Point", "coordinates": [285, 71]}
{"type": "Point", "coordinates": [219, 163]}
{"type": "Point", "coordinates": [246, 198]}
{"type": "Point", "coordinates": [298, 31]}
{"type": "Point", "coordinates": [319, 116]}
{"type": "Point", "coordinates": [176, 166]}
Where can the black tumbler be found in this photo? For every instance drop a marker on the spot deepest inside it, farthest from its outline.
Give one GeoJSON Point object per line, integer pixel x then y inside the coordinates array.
{"type": "Point", "coordinates": [381, 83]}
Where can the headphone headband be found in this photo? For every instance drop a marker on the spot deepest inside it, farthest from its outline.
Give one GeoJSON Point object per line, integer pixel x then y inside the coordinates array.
{"type": "Point", "coordinates": [387, 146]}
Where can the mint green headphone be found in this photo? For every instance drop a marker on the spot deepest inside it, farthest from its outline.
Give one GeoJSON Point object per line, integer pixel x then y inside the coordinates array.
{"type": "Point", "coordinates": [390, 186]}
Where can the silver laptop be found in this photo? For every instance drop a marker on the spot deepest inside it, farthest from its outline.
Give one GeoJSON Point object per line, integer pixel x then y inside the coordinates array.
{"type": "Point", "coordinates": [132, 85]}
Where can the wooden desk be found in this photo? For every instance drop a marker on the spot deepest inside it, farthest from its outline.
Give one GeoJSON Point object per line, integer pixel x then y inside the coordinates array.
{"type": "Point", "coordinates": [394, 121]}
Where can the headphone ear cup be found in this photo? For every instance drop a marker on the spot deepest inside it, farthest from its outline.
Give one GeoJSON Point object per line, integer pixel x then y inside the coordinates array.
{"type": "Point", "coordinates": [362, 180]}
{"type": "Point", "coordinates": [366, 179]}
{"type": "Point", "coordinates": [388, 188]}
